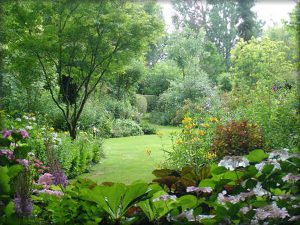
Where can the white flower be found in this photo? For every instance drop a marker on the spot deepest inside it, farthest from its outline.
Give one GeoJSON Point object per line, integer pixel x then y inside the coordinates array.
{"type": "Point", "coordinates": [201, 217]}
{"type": "Point", "coordinates": [29, 127]}
{"type": "Point", "coordinates": [291, 177]}
{"type": "Point", "coordinates": [279, 154]}
{"type": "Point", "coordinates": [187, 214]}
{"type": "Point", "coordinates": [199, 189]}
{"type": "Point", "coordinates": [233, 162]}
{"type": "Point", "coordinates": [245, 209]}
{"type": "Point", "coordinates": [165, 198]}
{"type": "Point", "coordinates": [259, 191]}
{"type": "Point", "coordinates": [271, 211]}
{"type": "Point", "coordinates": [25, 117]}
{"type": "Point", "coordinates": [18, 119]}
{"type": "Point", "coordinates": [273, 162]}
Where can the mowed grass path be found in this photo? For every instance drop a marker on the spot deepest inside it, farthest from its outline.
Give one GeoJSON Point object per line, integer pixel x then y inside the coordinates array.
{"type": "Point", "coordinates": [126, 159]}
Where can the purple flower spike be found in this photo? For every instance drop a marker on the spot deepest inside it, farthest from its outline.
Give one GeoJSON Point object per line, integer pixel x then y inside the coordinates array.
{"type": "Point", "coordinates": [23, 206]}
{"type": "Point", "coordinates": [60, 178]}
{"type": "Point", "coordinates": [6, 133]}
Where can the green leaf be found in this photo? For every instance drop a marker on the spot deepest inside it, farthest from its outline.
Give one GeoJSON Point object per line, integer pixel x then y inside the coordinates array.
{"type": "Point", "coordinates": [14, 170]}
{"type": "Point", "coordinates": [4, 142]}
{"type": "Point", "coordinates": [21, 152]}
{"type": "Point", "coordinates": [9, 209]}
{"type": "Point", "coordinates": [256, 155]}
{"type": "Point", "coordinates": [221, 212]}
{"type": "Point", "coordinates": [219, 170]}
{"type": "Point", "coordinates": [187, 202]}
{"type": "Point", "coordinates": [207, 183]}
{"type": "Point", "coordinates": [4, 180]}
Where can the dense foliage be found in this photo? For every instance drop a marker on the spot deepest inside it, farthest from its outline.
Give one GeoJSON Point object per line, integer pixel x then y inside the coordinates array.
{"type": "Point", "coordinates": [74, 73]}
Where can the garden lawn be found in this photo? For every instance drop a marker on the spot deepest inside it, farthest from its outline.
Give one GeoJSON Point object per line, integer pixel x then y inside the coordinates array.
{"type": "Point", "coordinates": [127, 159]}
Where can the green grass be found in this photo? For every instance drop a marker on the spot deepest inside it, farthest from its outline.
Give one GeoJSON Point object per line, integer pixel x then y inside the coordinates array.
{"type": "Point", "coordinates": [126, 159]}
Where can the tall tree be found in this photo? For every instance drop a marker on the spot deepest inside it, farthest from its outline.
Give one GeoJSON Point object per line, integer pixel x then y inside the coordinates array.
{"type": "Point", "coordinates": [221, 26]}
{"type": "Point", "coordinates": [2, 42]}
{"type": "Point", "coordinates": [191, 13]}
{"type": "Point", "coordinates": [247, 25]}
{"type": "Point", "coordinates": [78, 44]}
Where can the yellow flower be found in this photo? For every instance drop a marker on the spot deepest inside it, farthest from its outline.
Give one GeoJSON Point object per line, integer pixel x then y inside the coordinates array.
{"type": "Point", "coordinates": [158, 133]}
{"type": "Point", "coordinates": [211, 155]}
{"type": "Point", "coordinates": [66, 132]}
{"type": "Point", "coordinates": [213, 119]}
{"type": "Point", "coordinates": [179, 142]}
{"type": "Point", "coordinates": [201, 132]}
{"type": "Point", "coordinates": [51, 129]}
{"type": "Point", "coordinates": [187, 120]}
{"type": "Point", "coordinates": [195, 139]}
{"type": "Point", "coordinates": [188, 126]}
{"type": "Point", "coordinates": [206, 125]}
{"type": "Point", "coordinates": [148, 151]}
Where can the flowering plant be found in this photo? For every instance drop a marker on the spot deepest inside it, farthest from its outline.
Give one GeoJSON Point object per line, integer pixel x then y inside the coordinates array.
{"type": "Point", "coordinates": [192, 146]}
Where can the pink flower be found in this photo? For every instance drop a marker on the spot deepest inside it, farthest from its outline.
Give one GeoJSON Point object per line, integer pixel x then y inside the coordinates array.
{"type": "Point", "coordinates": [46, 179]}
{"type": "Point", "coordinates": [24, 133]}
{"type": "Point", "coordinates": [6, 133]}
{"type": "Point", "coordinates": [23, 162]}
{"type": "Point", "coordinates": [9, 154]}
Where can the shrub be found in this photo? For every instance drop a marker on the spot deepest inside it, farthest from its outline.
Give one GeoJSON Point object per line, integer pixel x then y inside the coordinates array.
{"type": "Point", "coordinates": [236, 138]}
{"type": "Point", "coordinates": [77, 155]}
{"type": "Point", "coordinates": [158, 78]}
{"type": "Point", "coordinates": [126, 127]}
{"type": "Point", "coordinates": [147, 128]}
{"type": "Point", "coordinates": [273, 108]}
{"type": "Point", "coordinates": [191, 148]}
{"type": "Point", "coordinates": [141, 103]}
{"type": "Point", "coordinates": [2, 120]}
{"type": "Point", "coordinates": [122, 109]}
{"type": "Point", "coordinates": [196, 89]}
{"type": "Point", "coordinates": [151, 102]}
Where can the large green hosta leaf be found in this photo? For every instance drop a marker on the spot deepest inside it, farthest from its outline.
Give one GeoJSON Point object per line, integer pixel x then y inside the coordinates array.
{"type": "Point", "coordinates": [118, 198]}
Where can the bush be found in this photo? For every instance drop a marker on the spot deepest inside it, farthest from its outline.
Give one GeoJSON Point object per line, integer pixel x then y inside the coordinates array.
{"type": "Point", "coordinates": [273, 108]}
{"type": "Point", "coordinates": [236, 138]}
{"type": "Point", "coordinates": [141, 103]}
{"type": "Point", "coordinates": [192, 146]}
{"type": "Point", "coordinates": [147, 128]}
{"type": "Point", "coordinates": [77, 155]}
{"type": "Point", "coordinates": [2, 120]}
{"type": "Point", "coordinates": [151, 102]}
{"type": "Point", "coordinates": [158, 78]}
{"type": "Point", "coordinates": [122, 110]}
{"type": "Point", "coordinates": [195, 89]}
{"type": "Point", "coordinates": [126, 127]}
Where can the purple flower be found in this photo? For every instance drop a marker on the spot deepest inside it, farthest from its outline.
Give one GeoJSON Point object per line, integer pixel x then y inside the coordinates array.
{"type": "Point", "coordinates": [6, 133]}
{"type": "Point", "coordinates": [23, 162]}
{"type": "Point", "coordinates": [60, 178]}
{"type": "Point", "coordinates": [46, 179]}
{"type": "Point", "coordinates": [199, 189]}
{"type": "Point", "coordinates": [23, 206]}
{"type": "Point", "coordinates": [24, 133]}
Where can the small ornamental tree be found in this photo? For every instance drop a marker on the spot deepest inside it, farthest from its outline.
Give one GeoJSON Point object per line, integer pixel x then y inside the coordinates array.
{"type": "Point", "coordinates": [78, 44]}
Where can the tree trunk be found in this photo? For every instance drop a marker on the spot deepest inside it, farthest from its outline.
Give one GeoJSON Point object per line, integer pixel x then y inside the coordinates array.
{"type": "Point", "coordinates": [73, 132]}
